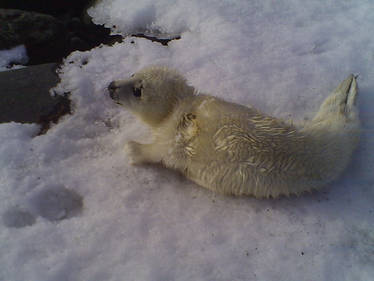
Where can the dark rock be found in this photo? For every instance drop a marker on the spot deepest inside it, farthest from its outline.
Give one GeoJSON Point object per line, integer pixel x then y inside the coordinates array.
{"type": "Point", "coordinates": [75, 24]}
{"type": "Point", "coordinates": [44, 36]}
{"type": "Point", "coordinates": [53, 7]}
{"type": "Point", "coordinates": [78, 44]}
{"type": "Point", "coordinates": [61, 108]}
{"type": "Point", "coordinates": [47, 38]}
{"type": "Point", "coordinates": [92, 34]}
{"type": "Point", "coordinates": [25, 97]}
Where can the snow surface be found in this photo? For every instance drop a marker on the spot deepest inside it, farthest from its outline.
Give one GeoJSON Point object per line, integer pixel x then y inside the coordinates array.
{"type": "Point", "coordinates": [72, 208]}
{"type": "Point", "coordinates": [13, 58]}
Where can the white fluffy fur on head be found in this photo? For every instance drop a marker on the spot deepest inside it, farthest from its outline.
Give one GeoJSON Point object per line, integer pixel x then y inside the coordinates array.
{"type": "Point", "coordinates": [151, 93]}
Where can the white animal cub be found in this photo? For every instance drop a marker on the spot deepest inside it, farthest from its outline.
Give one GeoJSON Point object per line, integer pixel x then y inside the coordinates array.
{"type": "Point", "coordinates": [233, 149]}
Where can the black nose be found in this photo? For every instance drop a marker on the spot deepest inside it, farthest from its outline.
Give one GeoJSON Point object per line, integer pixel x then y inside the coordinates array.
{"type": "Point", "coordinates": [111, 88]}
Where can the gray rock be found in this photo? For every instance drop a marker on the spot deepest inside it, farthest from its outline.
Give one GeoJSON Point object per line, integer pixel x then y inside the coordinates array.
{"type": "Point", "coordinates": [25, 97]}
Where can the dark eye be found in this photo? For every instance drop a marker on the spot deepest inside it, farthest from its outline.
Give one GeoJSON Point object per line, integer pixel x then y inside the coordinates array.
{"type": "Point", "coordinates": [137, 92]}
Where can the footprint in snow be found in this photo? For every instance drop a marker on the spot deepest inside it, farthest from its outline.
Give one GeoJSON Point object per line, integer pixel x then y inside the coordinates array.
{"type": "Point", "coordinates": [17, 218]}
{"type": "Point", "coordinates": [57, 203]}
{"type": "Point", "coordinates": [53, 203]}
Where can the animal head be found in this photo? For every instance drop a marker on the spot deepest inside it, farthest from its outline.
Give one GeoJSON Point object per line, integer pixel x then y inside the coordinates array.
{"type": "Point", "coordinates": [150, 94]}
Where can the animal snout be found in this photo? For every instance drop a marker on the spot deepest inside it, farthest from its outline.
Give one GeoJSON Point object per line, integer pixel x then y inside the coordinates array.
{"type": "Point", "coordinates": [112, 90]}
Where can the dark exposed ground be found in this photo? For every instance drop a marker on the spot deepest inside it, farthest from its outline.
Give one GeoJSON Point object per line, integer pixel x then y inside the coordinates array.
{"type": "Point", "coordinates": [25, 97]}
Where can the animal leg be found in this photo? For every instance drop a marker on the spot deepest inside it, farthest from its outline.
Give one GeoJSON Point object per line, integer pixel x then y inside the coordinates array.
{"type": "Point", "coordinates": [341, 101]}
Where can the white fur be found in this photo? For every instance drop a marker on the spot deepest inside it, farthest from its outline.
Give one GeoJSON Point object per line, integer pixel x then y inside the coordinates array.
{"type": "Point", "coordinates": [232, 149]}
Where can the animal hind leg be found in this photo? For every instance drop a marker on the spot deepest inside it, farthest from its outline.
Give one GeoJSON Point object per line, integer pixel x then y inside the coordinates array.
{"type": "Point", "coordinates": [352, 96]}
{"type": "Point", "coordinates": [341, 101]}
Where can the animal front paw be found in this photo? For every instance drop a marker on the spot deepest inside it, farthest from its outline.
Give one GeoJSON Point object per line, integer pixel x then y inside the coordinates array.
{"type": "Point", "coordinates": [134, 152]}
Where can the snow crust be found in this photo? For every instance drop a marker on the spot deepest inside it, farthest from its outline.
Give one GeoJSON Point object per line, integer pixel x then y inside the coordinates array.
{"type": "Point", "coordinates": [72, 208]}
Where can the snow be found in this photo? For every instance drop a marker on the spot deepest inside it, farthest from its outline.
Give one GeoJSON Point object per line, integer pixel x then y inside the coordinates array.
{"type": "Point", "coordinates": [13, 58]}
{"type": "Point", "coordinates": [74, 209]}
